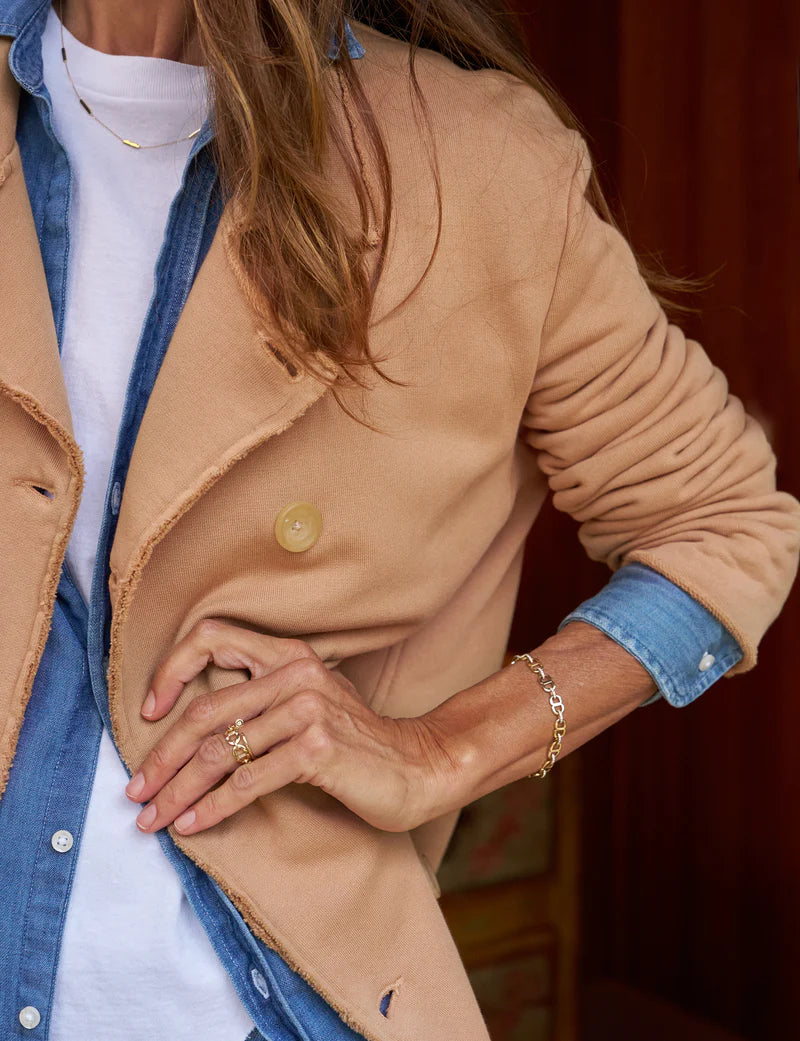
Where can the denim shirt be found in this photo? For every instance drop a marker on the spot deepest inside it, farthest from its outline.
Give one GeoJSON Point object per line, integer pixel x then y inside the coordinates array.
{"type": "Point", "coordinates": [42, 811]}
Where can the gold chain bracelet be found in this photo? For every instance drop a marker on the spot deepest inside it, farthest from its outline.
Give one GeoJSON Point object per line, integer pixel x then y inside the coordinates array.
{"type": "Point", "coordinates": [547, 683]}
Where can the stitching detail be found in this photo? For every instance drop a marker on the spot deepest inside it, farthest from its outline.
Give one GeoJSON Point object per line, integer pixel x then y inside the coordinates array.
{"type": "Point", "coordinates": [249, 914]}
{"type": "Point", "coordinates": [582, 151]}
{"type": "Point", "coordinates": [373, 235]}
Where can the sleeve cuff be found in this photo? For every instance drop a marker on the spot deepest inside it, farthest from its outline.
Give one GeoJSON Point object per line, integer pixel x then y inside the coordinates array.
{"type": "Point", "coordinates": [680, 643]}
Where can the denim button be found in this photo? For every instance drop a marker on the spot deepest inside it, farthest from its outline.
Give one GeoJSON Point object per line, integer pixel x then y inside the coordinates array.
{"type": "Point", "coordinates": [29, 1017]}
{"type": "Point", "coordinates": [259, 982]}
{"type": "Point", "coordinates": [706, 662]}
{"type": "Point", "coordinates": [116, 497]}
{"type": "Point", "coordinates": [61, 841]}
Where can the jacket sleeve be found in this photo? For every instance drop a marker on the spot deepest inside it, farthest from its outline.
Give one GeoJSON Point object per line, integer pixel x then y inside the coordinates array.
{"type": "Point", "coordinates": [644, 446]}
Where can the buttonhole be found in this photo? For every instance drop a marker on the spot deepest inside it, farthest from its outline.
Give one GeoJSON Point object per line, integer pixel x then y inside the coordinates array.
{"type": "Point", "coordinates": [386, 1004]}
{"type": "Point", "coordinates": [281, 358]}
{"type": "Point", "coordinates": [45, 492]}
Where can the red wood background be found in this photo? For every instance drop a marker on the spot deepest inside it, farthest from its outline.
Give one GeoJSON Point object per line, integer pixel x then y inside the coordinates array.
{"type": "Point", "coordinates": [691, 861]}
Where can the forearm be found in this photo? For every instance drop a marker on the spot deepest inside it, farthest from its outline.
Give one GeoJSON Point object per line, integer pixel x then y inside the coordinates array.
{"type": "Point", "coordinates": [499, 730]}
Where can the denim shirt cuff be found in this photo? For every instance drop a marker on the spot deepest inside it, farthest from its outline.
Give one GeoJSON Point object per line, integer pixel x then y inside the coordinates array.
{"type": "Point", "coordinates": [680, 643]}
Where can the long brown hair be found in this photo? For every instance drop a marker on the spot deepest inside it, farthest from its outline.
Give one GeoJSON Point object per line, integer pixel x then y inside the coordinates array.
{"type": "Point", "coordinates": [266, 61]}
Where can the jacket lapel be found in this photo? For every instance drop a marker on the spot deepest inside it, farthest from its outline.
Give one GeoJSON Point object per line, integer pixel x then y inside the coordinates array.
{"type": "Point", "coordinates": [30, 366]}
{"type": "Point", "coordinates": [220, 390]}
{"type": "Point", "coordinates": [219, 393]}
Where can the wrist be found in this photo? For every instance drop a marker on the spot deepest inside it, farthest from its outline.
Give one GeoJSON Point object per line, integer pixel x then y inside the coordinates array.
{"type": "Point", "coordinates": [501, 729]}
{"type": "Point", "coordinates": [479, 730]}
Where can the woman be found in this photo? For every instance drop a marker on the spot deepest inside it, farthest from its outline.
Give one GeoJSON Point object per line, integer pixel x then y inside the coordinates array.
{"type": "Point", "coordinates": [289, 362]}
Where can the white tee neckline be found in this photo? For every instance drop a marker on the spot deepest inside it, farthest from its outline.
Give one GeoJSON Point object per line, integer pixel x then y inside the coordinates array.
{"type": "Point", "coordinates": [129, 76]}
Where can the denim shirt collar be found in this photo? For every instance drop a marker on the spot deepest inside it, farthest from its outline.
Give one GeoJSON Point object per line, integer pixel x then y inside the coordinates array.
{"type": "Point", "coordinates": [25, 19]}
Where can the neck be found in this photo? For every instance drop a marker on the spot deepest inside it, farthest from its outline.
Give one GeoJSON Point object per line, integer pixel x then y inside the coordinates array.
{"type": "Point", "coordinates": [148, 28]}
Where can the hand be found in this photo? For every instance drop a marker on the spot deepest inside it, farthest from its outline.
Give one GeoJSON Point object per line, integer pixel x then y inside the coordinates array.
{"type": "Point", "coordinates": [304, 723]}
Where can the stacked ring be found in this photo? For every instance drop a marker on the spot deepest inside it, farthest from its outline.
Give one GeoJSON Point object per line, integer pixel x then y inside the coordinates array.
{"type": "Point", "coordinates": [242, 752]}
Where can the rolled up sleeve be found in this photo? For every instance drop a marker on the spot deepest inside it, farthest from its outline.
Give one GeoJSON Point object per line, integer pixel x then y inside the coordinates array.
{"type": "Point", "coordinates": [680, 643]}
{"type": "Point", "coordinates": [642, 443]}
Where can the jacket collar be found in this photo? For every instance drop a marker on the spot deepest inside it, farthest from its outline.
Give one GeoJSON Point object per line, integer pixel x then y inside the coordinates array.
{"type": "Point", "coordinates": [30, 367]}
{"type": "Point", "coordinates": [219, 358]}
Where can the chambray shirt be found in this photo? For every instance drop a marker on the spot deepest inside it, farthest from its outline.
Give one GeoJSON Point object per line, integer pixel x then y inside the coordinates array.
{"type": "Point", "coordinates": [42, 811]}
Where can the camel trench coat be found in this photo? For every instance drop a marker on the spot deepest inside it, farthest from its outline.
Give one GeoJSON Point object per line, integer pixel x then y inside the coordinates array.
{"type": "Point", "coordinates": [536, 361]}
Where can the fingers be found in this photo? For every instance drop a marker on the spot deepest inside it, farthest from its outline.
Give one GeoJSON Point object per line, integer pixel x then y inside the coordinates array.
{"type": "Point", "coordinates": [288, 762]}
{"type": "Point", "coordinates": [311, 752]}
{"type": "Point", "coordinates": [206, 715]}
{"type": "Point", "coordinates": [214, 760]}
{"type": "Point", "coordinates": [212, 713]}
{"type": "Point", "coordinates": [226, 645]}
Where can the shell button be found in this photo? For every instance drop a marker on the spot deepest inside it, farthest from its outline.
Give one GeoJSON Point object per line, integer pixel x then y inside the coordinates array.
{"type": "Point", "coordinates": [61, 841]}
{"type": "Point", "coordinates": [706, 662]}
{"type": "Point", "coordinates": [298, 526]}
{"type": "Point", "coordinates": [30, 1017]}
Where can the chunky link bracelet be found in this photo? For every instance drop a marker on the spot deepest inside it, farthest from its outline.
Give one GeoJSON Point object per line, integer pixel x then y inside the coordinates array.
{"type": "Point", "coordinates": [547, 683]}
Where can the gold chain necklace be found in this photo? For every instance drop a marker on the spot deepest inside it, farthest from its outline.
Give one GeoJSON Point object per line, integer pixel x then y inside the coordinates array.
{"type": "Point", "coordinates": [125, 140]}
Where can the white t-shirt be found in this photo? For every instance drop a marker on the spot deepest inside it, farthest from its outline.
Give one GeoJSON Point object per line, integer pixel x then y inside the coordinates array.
{"type": "Point", "coordinates": [135, 961]}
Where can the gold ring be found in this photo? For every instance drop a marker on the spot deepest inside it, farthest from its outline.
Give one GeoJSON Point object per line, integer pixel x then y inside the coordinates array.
{"type": "Point", "coordinates": [238, 742]}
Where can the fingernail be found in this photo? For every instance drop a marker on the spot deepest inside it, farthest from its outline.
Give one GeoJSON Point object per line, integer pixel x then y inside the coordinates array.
{"type": "Point", "coordinates": [147, 816]}
{"type": "Point", "coordinates": [135, 785]}
{"type": "Point", "coordinates": [186, 820]}
{"type": "Point", "coordinates": [149, 704]}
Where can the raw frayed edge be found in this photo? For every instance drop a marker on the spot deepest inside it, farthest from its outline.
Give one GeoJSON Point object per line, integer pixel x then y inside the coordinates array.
{"type": "Point", "coordinates": [254, 303]}
{"type": "Point", "coordinates": [127, 588]}
{"type": "Point", "coordinates": [251, 917]}
{"type": "Point", "coordinates": [44, 617]}
{"type": "Point", "coordinates": [373, 234]}
{"type": "Point", "coordinates": [128, 585]}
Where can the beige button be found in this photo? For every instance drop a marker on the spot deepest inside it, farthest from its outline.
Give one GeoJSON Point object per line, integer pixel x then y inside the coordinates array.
{"type": "Point", "coordinates": [298, 526]}
{"type": "Point", "coordinates": [29, 1017]}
